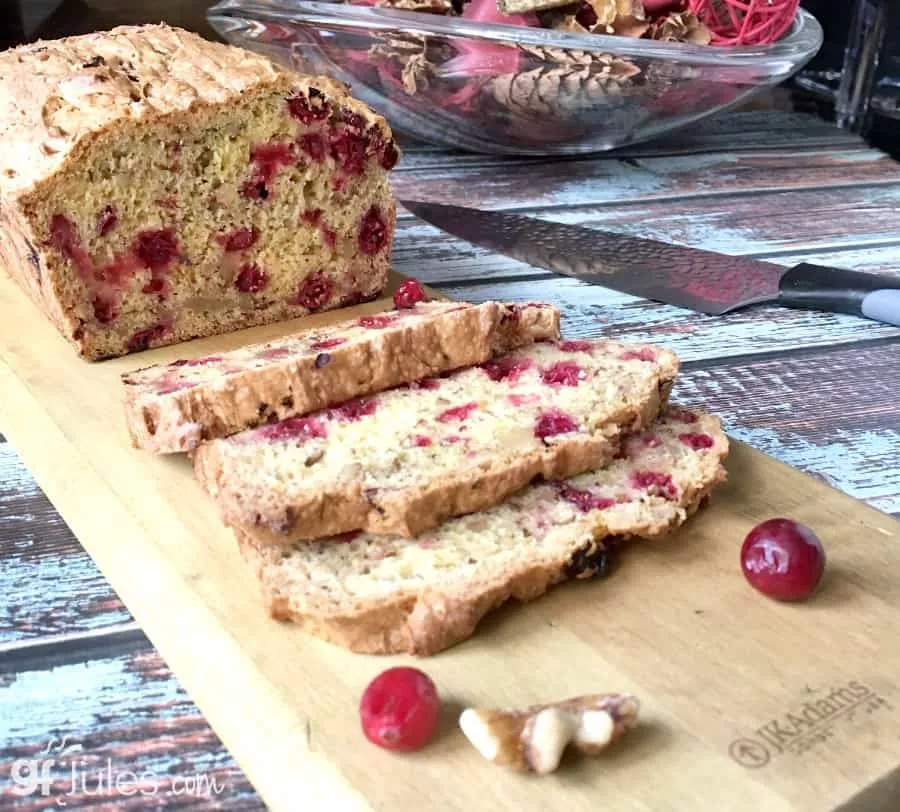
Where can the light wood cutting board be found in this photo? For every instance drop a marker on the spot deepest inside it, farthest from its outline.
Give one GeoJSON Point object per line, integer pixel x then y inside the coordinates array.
{"type": "Point", "coordinates": [747, 704]}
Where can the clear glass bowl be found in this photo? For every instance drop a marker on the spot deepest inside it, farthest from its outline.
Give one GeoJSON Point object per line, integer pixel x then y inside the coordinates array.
{"type": "Point", "coordinates": [539, 91]}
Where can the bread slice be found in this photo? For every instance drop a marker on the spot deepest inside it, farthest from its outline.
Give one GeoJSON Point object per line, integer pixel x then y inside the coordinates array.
{"type": "Point", "coordinates": [381, 595]}
{"type": "Point", "coordinates": [173, 408]}
{"type": "Point", "coordinates": [406, 459]}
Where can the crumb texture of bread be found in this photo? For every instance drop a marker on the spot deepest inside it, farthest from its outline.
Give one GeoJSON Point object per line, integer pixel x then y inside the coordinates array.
{"type": "Point", "coordinates": [386, 595]}
{"type": "Point", "coordinates": [157, 187]}
{"type": "Point", "coordinates": [406, 459]}
{"type": "Point", "coordinates": [174, 407]}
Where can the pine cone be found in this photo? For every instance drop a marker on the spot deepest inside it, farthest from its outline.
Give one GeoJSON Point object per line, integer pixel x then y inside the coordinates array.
{"type": "Point", "coordinates": [564, 91]}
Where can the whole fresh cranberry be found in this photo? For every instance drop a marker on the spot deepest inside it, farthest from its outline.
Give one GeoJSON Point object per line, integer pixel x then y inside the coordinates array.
{"type": "Point", "coordinates": [408, 294]}
{"type": "Point", "coordinates": [400, 709]}
{"type": "Point", "coordinates": [783, 559]}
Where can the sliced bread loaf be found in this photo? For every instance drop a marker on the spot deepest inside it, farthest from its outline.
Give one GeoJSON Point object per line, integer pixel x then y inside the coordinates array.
{"type": "Point", "coordinates": [156, 186]}
{"type": "Point", "coordinates": [408, 458]}
{"type": "Point", "coordinates": [378, 594]}
{"type": "Point", "coordinates": [175, 407]}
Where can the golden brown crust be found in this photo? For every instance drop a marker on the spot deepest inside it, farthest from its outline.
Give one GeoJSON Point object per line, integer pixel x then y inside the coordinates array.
{"type": "Point", "coordinates": [58, 93]}
{"type": "Point", "coordinates": [179, 421]}
{"type": "Point", "coordinates": [431, 621]}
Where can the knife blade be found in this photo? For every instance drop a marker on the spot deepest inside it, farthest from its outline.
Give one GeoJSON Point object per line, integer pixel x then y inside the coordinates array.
{"type": "Point", "coordinates": [692, 278]}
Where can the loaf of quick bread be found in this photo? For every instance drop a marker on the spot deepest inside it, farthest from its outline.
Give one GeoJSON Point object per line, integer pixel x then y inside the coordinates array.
{"type": "Point", "coordinates": [156, 187]}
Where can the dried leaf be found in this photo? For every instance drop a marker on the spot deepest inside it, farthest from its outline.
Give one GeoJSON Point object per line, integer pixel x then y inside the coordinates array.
{"type": "Point", "coordinates": [624, 18]}
{"type": "Point", "coordinates": [681, 26]}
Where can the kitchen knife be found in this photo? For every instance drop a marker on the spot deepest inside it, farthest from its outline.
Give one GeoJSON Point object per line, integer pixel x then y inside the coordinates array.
{"type": "Point", "coordinates": [677, 275]}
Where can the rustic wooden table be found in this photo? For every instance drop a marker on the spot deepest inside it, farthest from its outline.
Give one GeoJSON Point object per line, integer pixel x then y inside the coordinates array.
{"type": "Point", "coordinates": [817, 391]}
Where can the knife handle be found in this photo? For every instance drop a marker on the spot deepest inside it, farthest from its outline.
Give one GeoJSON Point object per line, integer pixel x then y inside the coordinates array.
{"type": "Point", "coordinates": [818, 287]}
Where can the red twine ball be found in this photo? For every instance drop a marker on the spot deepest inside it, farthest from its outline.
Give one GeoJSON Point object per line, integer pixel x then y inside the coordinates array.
{"type": "Point", "coordinates": [745, 22]}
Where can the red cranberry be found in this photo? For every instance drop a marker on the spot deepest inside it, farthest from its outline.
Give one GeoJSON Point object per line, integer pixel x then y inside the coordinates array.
{"type": "Point", "coordinates": [329, 236]}
{"type": "Point", "coordinates": [64, 238]}
{"type": "Point", "coordinates": [293, 429]}
{"type": "Point", "coordinates": [142, 339]}
{"type": "Point", "coordinates": [315, 291]}
{"type": "Point", "coordinates": [563, 373]}
{"type": "Point", "coordinates": [355, 409]}
{"type": "Point", "coordinates": [349, 151]}
{"type": "Point", "coordinates": [697, 442]}
{"type": "Point", "coordinates": [643, 354]}
{"type": "Point", "coordinates": [311, 216]}
{"type": "Point", "coordinates": [309, 110]}
{"type": "Point", "coordinates": [354, 121]}
{"type": "Point", "coordinates": [106, 221]}
{"type": "Point", "coordinates": [506, 369]}
{"type": "Point", "coordinates": [377, 322]}
{"type": "Point", "coordinates": [400, 709]}
{"type": "Point", "coordinates": [270, 156]}
{"type": "Point", "coordinates": [388, 155]}
{"type": "Point", "coordinates": [174, 386]}
{"type": "Point", "coordinates": [655, 483]}
{"type": "Point", "coordinates": [519, 400]}
{"type": "Point", "coordinates": [421, 441]}
{"type": "Point", "coordinates": [274, 353]}
{"type": "Point", "coordinates": [251, 279]}
{"type": "Point", "coordinates": [314, 145]}
{"type": "Point", "coordinates": [373, 232]}
{"type": "Point", "coordinates": [240, 239]}
{"type": "Point", "coordinates": [408, 294]}
{"type": "Point", "coordinates": [327, 344]}
{"type": "Point", "coordinates": [585, 501]}
{"type": "Point", "coordinates": [575, 346]}
{"type": "Point", "coordinates": [156, 249]}
{"type": "Point", "coordinates": [255, 190]}
{"type": "Point", "coordinates": [105, 309]}
{"type": "Point", "coordinates": [154, 286]}
{"type": "Point", "coordinates": [783, 559]}
{"type": "Point", "coordinates": [457, 413]}
{"type": "Point", "coordinates": [553, 422]}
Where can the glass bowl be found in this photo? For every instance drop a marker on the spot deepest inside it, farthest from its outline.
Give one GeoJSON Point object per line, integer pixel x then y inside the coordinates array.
{"type": "Point", "coordinates": [537, 91]}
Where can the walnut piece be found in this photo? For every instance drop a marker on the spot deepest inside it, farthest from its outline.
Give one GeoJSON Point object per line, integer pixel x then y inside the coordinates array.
{"type": "Point", "coordinates": [534, 739]}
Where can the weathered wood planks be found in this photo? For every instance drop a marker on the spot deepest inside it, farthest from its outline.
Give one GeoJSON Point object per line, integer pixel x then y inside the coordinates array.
{"type": "Point", "coordinates": [119, 713]}
{"type": "Point", "coordinates": [790, 383]}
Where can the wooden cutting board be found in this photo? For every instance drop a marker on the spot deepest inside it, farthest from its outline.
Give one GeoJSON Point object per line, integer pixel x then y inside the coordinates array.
{"type": "Point", "coordinates": [747, 704]}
